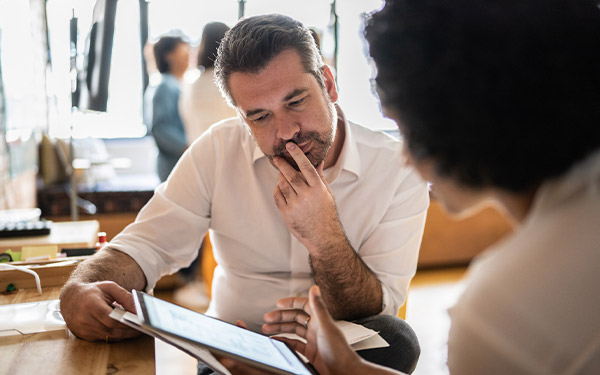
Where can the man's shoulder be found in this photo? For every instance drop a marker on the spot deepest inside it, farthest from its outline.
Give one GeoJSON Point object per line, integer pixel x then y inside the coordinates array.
{"type": "Point", "coordinates": [379, 140]}
{"type": "Point", "coordinates": [230, 127]}
{"type": "Point", "coordinates": [224, 135]}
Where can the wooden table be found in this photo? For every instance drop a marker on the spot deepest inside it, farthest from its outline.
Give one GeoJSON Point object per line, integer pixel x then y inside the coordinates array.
{"type": "Point", "coordinates": [60, 352]}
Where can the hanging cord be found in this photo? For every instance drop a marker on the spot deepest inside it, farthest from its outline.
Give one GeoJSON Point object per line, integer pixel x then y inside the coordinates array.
{"type": "Point", "coordinates": [26, 270]}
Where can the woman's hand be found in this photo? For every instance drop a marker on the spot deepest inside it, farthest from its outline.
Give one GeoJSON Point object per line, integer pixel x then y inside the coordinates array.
{"type": "Point", "coordinates": [326, 347]}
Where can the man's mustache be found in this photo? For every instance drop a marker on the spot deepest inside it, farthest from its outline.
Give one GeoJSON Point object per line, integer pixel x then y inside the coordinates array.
{"type": "Point", "coordinates": [297, 139]}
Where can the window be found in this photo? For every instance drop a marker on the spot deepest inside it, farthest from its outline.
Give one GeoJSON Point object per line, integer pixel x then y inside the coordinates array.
{"type": "Point", "coordinates": [124, 107]}
{"type": "Point", "coordinates": [354, 69]}
{"type": "Point", "coordinates": [125, 104]}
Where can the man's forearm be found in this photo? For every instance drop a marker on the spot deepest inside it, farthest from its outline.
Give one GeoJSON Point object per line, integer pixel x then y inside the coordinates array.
{"type": "Point", "coordinates": [110, 265]}
{"type": "Point", "coordinates": [349, 287]}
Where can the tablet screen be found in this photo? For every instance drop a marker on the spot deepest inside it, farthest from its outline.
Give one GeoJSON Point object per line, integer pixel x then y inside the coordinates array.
{"type": "Point", "coordinates": [219, 335]}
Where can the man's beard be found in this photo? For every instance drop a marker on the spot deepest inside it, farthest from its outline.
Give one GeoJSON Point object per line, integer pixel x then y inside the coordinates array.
{"type": "Point", "coordinates": [320, 144]}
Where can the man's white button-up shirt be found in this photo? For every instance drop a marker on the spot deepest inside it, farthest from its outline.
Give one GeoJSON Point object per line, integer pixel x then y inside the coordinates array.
{"type": "Point", "coordinates": [224, 183]}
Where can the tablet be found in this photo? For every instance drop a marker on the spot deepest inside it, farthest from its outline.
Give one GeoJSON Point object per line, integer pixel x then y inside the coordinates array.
{"type": "Point", "coordinates": [218, 336]}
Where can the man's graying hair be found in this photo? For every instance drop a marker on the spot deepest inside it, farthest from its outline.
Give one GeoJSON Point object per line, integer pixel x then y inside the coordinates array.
{"type": "Point", "coordinates": [253, 42]}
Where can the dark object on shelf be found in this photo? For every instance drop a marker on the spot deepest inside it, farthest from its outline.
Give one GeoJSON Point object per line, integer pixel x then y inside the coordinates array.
{"type": "Point", "coordinates": [79, 252]}
{"type": "Point", "coordinates": [25, 229]}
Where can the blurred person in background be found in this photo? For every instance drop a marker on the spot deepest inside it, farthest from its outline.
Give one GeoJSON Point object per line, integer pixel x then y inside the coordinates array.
{"type": "Point", "coordinates": [172, 55]}
{"type": "Point", "coordinates": [201, 103]}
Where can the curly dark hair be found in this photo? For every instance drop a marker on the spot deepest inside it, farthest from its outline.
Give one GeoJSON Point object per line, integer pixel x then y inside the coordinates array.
{"type": "Point", "coordinates": [502, 93]}
{"type": "Point", "coordinates": [253, 42]}
{"type": "Point", "coordinates": [162, 48]}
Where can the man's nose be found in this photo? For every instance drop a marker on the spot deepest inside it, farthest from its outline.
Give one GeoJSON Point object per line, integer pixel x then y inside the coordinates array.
{"type": "Point", "coordinates": [287, 128]}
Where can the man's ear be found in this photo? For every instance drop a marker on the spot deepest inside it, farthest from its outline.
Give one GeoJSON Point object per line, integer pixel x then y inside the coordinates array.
{"type": "Point", "coordinates": [330, 86]}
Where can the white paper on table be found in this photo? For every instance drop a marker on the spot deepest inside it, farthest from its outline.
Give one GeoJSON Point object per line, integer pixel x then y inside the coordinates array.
{"type": "Point", "coordinates": [30, 317]}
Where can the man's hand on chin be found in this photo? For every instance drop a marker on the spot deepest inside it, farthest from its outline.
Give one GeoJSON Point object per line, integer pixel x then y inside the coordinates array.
{"type": "Point", "coordinates": [305, 201]}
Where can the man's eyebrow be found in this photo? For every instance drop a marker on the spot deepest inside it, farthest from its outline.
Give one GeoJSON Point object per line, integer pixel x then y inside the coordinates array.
{"type": "Point", "coordinates": [289, 96]}
{"type": "Point", "coordinates": [294, 93]}
{"type": "Point", "coordinates": [252, 112]}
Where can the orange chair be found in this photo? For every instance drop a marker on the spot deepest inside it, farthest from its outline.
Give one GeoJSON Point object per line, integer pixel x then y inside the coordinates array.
{"type": "Point", "coordinates": [208, 264]}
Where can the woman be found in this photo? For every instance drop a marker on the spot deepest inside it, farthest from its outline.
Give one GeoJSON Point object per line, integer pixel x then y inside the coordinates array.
{"type": "Point", "coordinates": [498, 101]}
{"type": "Point", "coordinates": [201, 102]}
{"type": "Point", "coordinates": [172, 56]}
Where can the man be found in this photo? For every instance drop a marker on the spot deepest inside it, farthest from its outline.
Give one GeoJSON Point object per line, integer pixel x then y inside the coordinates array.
{"type": "Point", "coordinates": [294, 195]}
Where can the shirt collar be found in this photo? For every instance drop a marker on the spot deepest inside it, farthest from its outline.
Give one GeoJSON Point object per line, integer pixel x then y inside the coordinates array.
{"type": "Point", "coordinates": [348, 159]}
